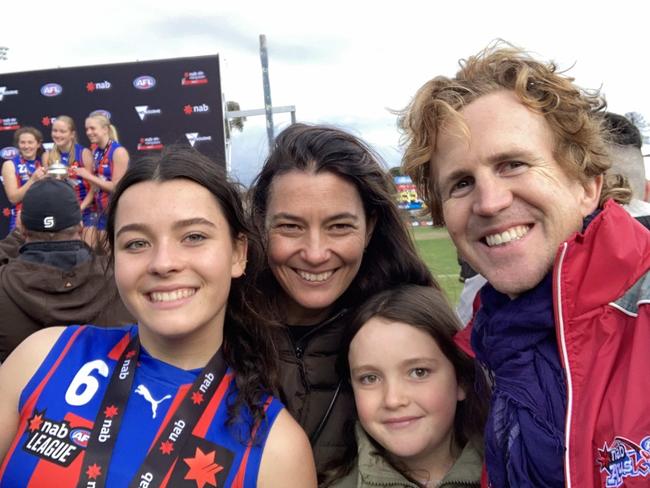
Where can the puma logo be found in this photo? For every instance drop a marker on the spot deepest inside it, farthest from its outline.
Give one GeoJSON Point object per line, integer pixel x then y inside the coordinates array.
{"type": "Point", "coordinates": [144, 391]}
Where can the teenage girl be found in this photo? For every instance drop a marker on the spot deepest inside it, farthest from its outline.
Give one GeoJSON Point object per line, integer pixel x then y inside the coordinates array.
{"type": "Point", "coordinates": [420, 417]}
{"type": "Point", "coordinates": [20, 172]}
{"type": "Point", "coordinates": [110, 160]}
{"type": "Point", "coordinates": [182, 397]}
{"type": "Point", "coordinates": [70, 153]}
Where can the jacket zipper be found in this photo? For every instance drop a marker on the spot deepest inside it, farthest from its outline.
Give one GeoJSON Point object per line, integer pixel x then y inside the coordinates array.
{"type": "Point", "coordinates": [565, 359]}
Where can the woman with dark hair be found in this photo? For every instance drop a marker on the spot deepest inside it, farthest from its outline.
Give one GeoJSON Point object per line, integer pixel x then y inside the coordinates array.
{"type": "Point", "coordinates": [182, 395]}
{"type": "Point", "coordinates": [333, 236]}
{"type": "Point", "coordinates": [20, 172]}
{"type": "Point", "coordinates": [421, 414]}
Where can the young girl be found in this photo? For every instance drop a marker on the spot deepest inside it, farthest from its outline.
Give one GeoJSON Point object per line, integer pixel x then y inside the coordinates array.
{"type": "Point", "coordinates": [70, 153]}
{"type": "Point", "coordinates": [420, 418]}
{"type": "Point", "coordinates": [20, 172]}
{"type": "Point", "coordinates": [182, 397]}
{"type": "Point", "coordinates": [110, 160]}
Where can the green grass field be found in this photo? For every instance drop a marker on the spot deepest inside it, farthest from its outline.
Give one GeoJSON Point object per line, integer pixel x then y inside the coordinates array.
{"type": "Point", "coordinates": [438, 251]}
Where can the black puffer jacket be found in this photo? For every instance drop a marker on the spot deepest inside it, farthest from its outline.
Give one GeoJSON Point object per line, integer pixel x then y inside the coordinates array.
{"type": "Point", "coordinates": [310, 386]}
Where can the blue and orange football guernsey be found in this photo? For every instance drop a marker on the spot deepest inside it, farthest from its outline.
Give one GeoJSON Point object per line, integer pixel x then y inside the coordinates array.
{"type": "Point", "coordinates": [61, 401]}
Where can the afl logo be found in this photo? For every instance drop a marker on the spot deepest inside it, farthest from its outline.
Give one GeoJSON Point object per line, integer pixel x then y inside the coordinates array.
{"type": "Point", "coordinates": [144, 82]}
{"type": "Point", "coordinates": [80, 437]}
{"type": "Point", "coordinates": [51, 90]}
{"type": "Point", "coordinates": [8, 152]}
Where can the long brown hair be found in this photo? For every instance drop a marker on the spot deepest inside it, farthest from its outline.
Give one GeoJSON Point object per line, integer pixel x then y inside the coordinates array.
{"type": "Point", "coordinates": [390, 257]}
{"type": "Point", "coordinates": [428, 310]}
{"type": "Point", "coordinates": [247, 346]}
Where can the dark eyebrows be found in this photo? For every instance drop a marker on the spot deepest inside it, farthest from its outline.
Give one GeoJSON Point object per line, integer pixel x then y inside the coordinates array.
{"type": "Point", "coordinates": [295, 218]}
{"type": "Point", "coordinates": [180, 224]}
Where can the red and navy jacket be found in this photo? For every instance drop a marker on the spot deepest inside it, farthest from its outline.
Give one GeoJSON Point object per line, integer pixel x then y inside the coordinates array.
{"type": "Point", "coordinates": [61, 401]}
{"type": "Point", "coordinates": [601, 289]}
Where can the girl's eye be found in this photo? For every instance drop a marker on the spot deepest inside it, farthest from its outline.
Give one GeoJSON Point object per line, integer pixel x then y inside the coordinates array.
{"type": "Point", "coordinates": [194, 238]}
{"type": "Point", "coordinates": [368, 379]}
{"type": "Point", "coordinates": [135, 245]}
{"type": "Point", "coordinates": [419, 373]}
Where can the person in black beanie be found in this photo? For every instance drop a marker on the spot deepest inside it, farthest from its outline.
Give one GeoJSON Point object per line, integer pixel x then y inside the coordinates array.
{"type": "Point", "coordinates": [55, 279]}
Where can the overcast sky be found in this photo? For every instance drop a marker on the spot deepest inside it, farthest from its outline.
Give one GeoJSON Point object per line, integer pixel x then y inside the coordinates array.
{"type": "Point", "coordinates": [339, 62]}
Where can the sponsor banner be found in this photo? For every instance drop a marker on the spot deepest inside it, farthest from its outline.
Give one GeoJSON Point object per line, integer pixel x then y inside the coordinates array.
{"type": "Point", "coordinates": [150, 144]}
{"type": "Point", "coordinates": [8, 152]}
{"type": "Point", "coordinates": [194, 78]}
{"type": "Point", "coordinates": [156, 93]}
{"type": "Point", "coordinates": [92, 86]}
{"type": "Point", "coordinates": [9, 123]}
{"type": "Point", "coordinates": [143, 111]}
{"type": "Point", "coordinates": [51, 90]}
{"type": "Point", "coordinates": [194, 137]}
{"type": "Point", "coordinates": [203, 108]}
{"type": "Point", "coordinates": [4, 91]}
{"type": "Point", "coordinates": [144, 82]}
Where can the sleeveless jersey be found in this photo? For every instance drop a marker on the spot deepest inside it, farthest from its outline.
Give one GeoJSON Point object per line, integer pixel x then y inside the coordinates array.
{"type": "Point", "coordinates": [103, 166]}
{"type": "Point", "coordinates": [81, 186]}
{"type": "Point", "coordinates": [24, 170]}
{"type": "Point", "coordinates": [61, 401]}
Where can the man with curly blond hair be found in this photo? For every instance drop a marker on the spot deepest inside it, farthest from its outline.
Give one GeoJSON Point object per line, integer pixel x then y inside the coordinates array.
{"type": "Point", "coordinates": [511, 156]}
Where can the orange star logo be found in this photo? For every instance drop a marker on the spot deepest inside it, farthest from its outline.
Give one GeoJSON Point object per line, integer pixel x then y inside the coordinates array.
{"type": "Point", "coordinates": [35, 422]}
{"type": "Point", "coordinates": [90, 86]}
{"type": "Point", "coordinates": [110, 411]}
{"type": "Point", "coordinates": [130, 354]}
{"type": "Point", "coordinates": [166, 447]}
{"type": "Point", "coordinates": [197, 398]}
{"type": "Point", "coordinates": [93, 471]}
{"type": "Point", "coordinates": [203, 469]}
{"type": "Point", "coordinates": [45, 121]}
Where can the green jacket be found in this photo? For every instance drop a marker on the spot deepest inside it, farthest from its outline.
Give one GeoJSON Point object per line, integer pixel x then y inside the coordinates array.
{"type": "Point", "coordinates": [373, 471]}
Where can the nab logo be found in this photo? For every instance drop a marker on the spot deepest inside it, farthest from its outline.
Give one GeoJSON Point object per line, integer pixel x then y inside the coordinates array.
{"type": "Point", "coordinates": [144, 82]}
{"type": "Point", "coordinates": [194, 137]}
{"type": "Point", "coordinates": [4, 91]}
{"type": "Point", "coordinates": [48, 222]}
{"type": "Point", "coordinates": [51, 90]}
{"type": "Point", "coordinates": [196, 109]}
{"type": "Point", "coordinates": [91, 86]}
{"type": "Point", "coordinates": [8, 152]}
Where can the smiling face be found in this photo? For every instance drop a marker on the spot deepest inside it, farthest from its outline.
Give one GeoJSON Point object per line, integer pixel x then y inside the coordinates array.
{"type": "Point", "coordinates": [28, 146]}
{"type": "Point", "coordinates": [96, 132]}
{"type": "Point", "coordinates": [62, 135]}
{"type": "Point", "coordinates": [317, 232]}
{"type": "Point", "coordinates": [406, 393]}
{"type": "Point", "coordinates": [506, 202]}
{"type": "Point", "coordinates": [174, 265]}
